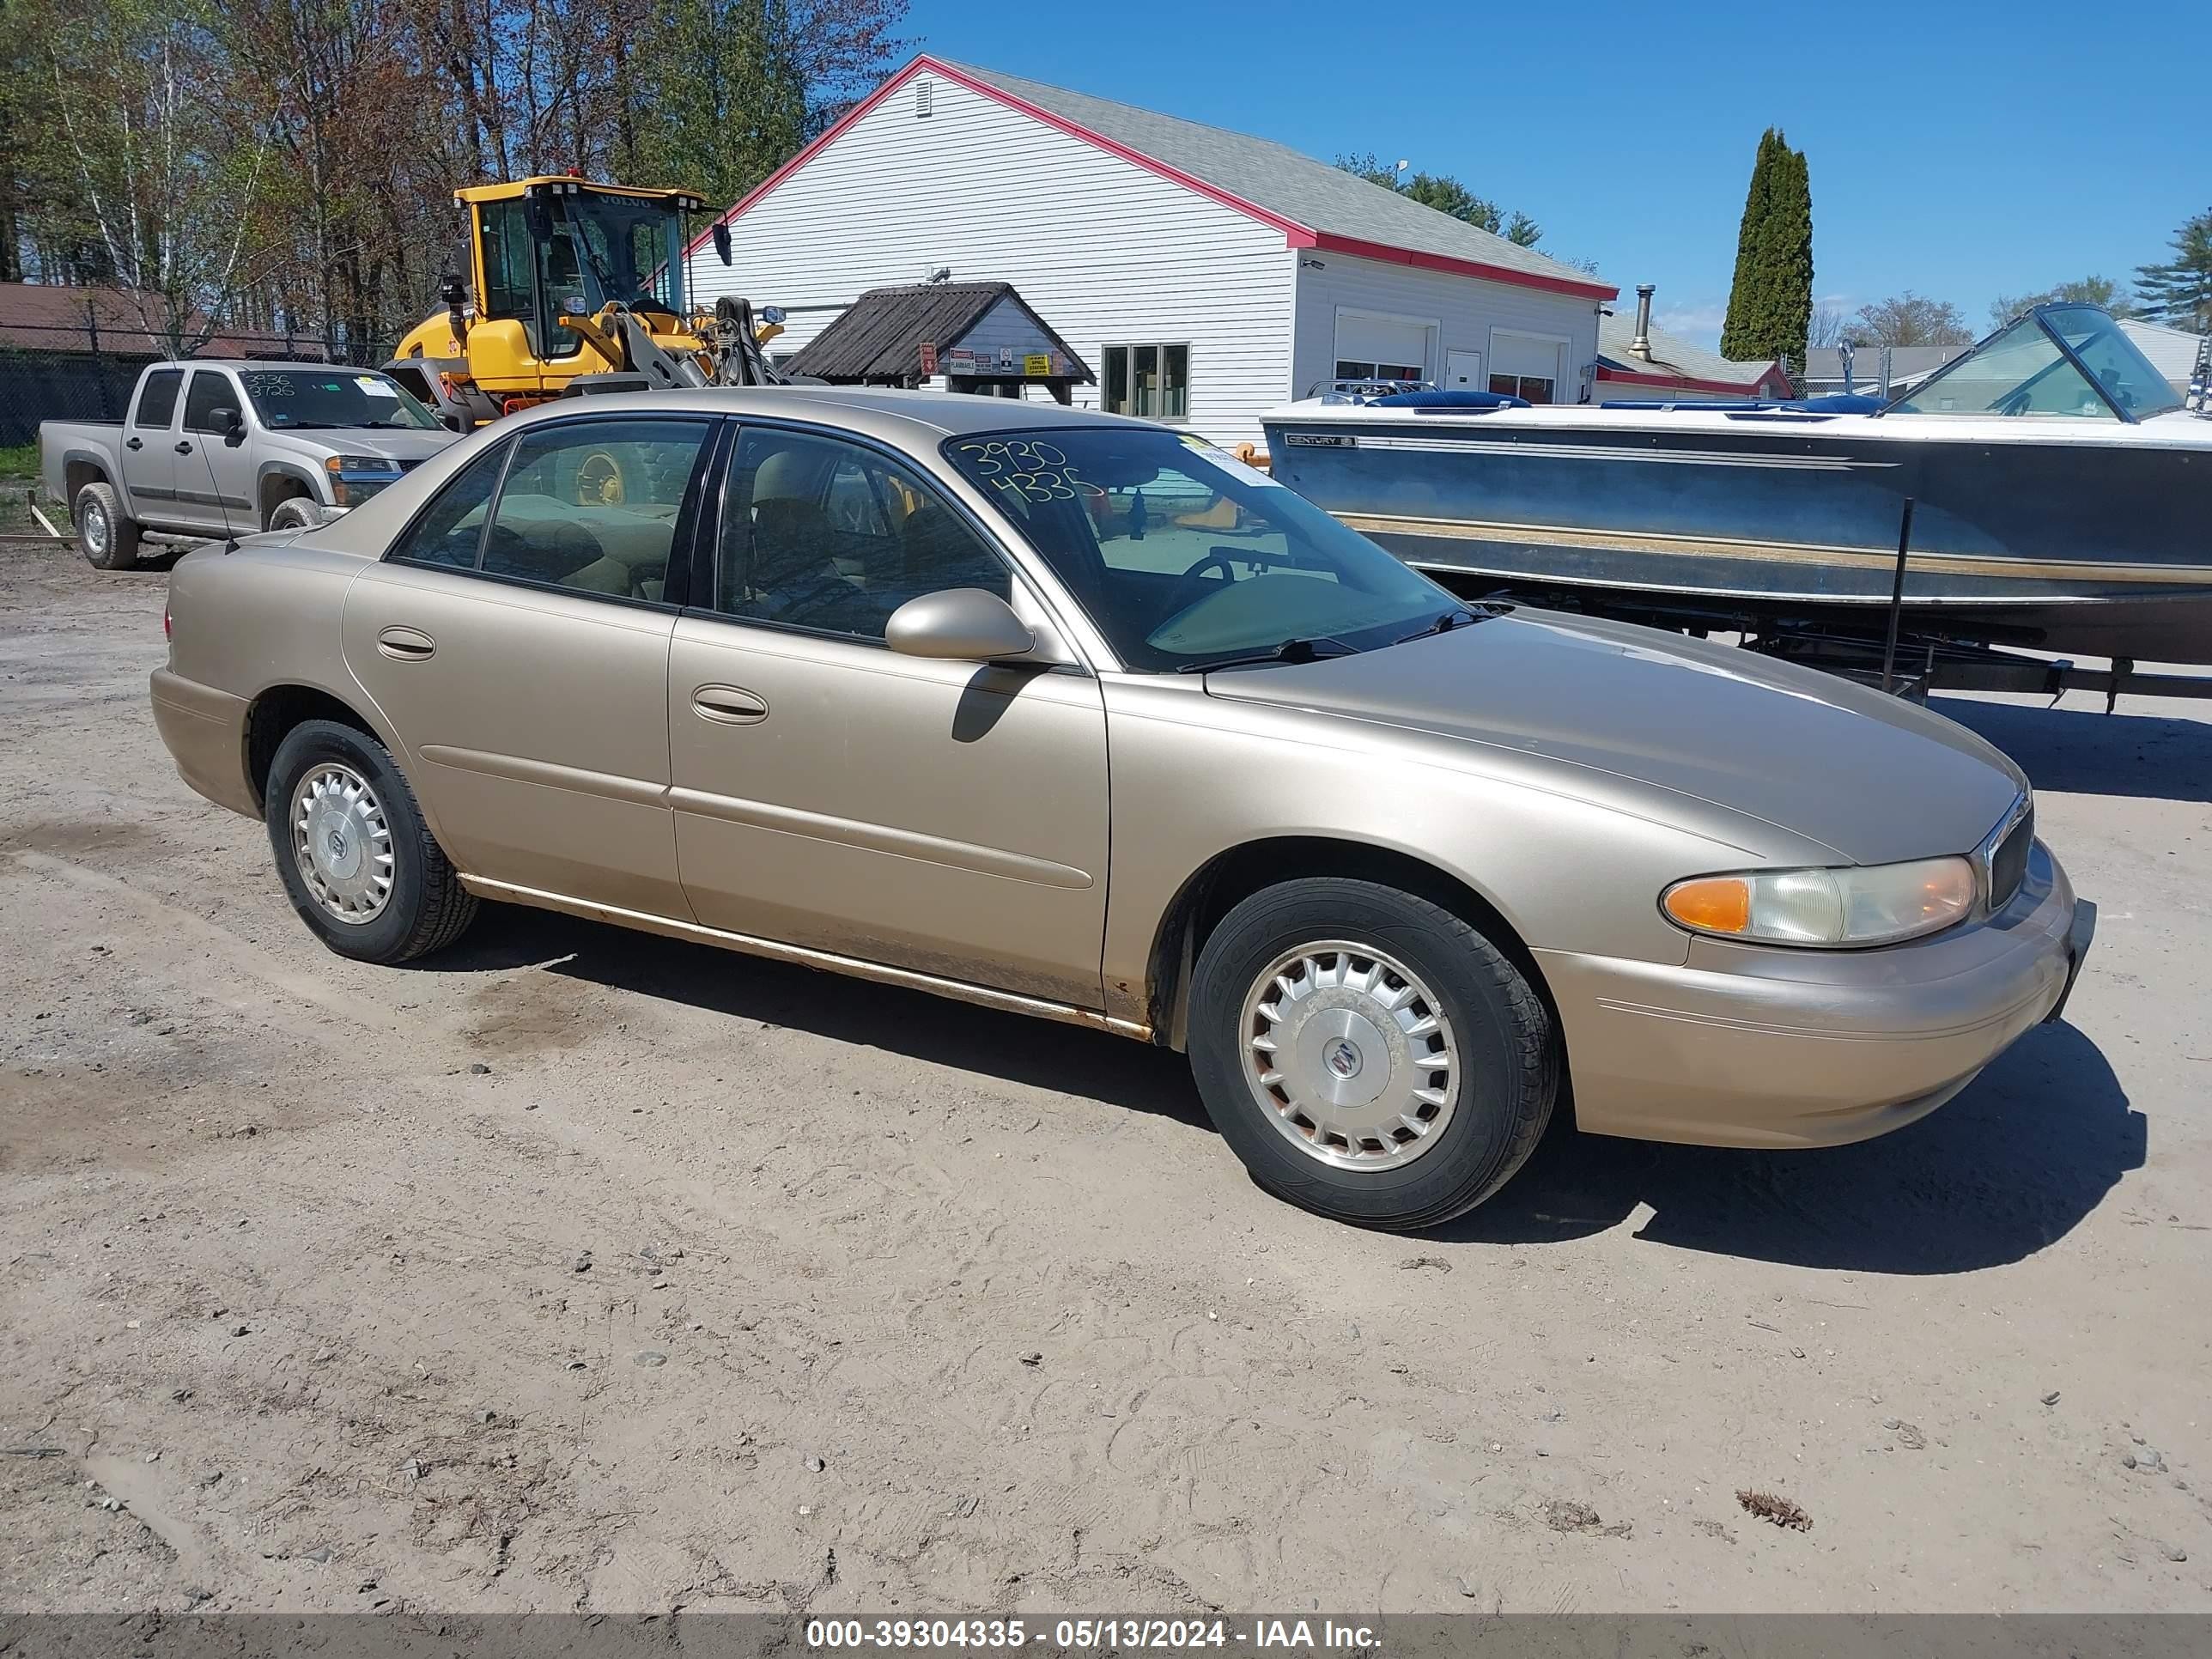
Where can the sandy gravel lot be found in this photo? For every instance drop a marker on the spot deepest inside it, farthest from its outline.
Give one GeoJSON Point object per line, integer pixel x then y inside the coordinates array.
{"type": "Point", "coordinates": [584, 1270]}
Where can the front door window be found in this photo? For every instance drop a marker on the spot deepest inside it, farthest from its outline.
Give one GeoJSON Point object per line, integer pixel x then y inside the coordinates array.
{"type": "Point", "coordinates": [823, 534]}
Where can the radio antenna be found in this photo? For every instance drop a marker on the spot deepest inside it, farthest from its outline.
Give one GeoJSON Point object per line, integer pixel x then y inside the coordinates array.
{"type": "Point", "coordinates": [229, 535]}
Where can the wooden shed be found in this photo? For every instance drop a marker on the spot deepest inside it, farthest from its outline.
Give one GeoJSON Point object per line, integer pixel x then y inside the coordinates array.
{"type": "Point", "coordinates": [980, 337]}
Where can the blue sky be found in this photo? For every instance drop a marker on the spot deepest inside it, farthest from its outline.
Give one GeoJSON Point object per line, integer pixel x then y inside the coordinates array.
{"type": "Point", "coordinates": [1963, 150]}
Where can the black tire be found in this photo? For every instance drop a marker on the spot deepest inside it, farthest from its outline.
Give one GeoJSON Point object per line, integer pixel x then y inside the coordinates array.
{"type": "Point", "coordinates": [427, 908]}
{"type": "Point", "coordinates": [1509, 1064]}
{"type": "Point", "coordinates": [104, 535]}
{"type": "Point", "coordinates": [293, 512]}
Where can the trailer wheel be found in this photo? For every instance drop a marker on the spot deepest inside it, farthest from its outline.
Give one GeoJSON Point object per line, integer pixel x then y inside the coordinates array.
{"type": "Point", "coordinates": [108, 540]}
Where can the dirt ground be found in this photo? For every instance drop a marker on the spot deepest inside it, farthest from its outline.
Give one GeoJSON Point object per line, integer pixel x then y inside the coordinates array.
{"type": "Point", "coordinates": [579, 1269]}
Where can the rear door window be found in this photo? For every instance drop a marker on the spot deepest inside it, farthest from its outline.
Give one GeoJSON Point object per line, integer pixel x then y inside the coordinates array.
{"type": "Point", "coordinates": [451, 530]}
{"type": "Point", "coordinates": [157, 400]}
{"type": "Point", "coordinates": [595, 505]}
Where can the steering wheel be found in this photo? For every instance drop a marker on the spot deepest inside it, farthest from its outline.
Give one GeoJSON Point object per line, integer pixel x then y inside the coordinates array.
{"type": "Point", "coordinates": [1214, 559]}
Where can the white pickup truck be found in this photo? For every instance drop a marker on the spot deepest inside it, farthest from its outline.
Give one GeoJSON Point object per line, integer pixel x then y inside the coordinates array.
{"type": "Point", "coordinates": [225, 448]}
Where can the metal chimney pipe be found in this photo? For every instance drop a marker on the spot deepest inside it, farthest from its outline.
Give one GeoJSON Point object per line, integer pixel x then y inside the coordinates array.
{"type": "Point", "coordinates": [1641, 343]}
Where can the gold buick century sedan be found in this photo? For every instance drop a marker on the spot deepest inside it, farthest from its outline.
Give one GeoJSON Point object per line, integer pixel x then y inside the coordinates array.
{"type": "Point", "coordinates": [1079, 717]}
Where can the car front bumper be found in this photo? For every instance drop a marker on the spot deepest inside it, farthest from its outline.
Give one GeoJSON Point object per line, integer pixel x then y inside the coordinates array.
{"type": "Point", "coordinates": [1756, 1046]}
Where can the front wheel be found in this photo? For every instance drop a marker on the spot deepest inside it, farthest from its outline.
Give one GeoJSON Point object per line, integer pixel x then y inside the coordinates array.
{"type": "Point", "coordinates": [293, 513]}
{"type": "Point", "coordinates": [1368, 1053]}
{"type": "Point", "coordinates": [356, 858]}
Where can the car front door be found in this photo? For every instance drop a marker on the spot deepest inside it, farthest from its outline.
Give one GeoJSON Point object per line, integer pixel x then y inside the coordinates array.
{"type": "Point", "coordinates": [516, 639]}
{"type": "Point", "coordinates": [945, 817]}
{"type": "Point", "coordinates": [215, 471]}
{"type": "Point", "coordinates": [149, 451]}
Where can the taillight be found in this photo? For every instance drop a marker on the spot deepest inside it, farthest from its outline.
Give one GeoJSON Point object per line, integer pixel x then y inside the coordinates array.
{"type": "Point", "coordinates": [167, 633]}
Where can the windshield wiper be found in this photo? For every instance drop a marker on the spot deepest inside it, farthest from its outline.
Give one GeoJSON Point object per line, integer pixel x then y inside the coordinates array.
{"type": "Point", "coordinates": [1290, 651]}
{"type": "Point", "coordinates": [1457, 616]}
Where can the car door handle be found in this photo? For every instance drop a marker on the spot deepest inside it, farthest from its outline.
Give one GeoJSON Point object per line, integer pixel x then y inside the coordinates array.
{"type": "Point", "coordinates": [733, 705]}
{"type": "Point", "coordinates": [405, 644]}
{"type": "Point", "coordinates": [183, 449]}
{"type": "Point", "coordinates": [136, 443]}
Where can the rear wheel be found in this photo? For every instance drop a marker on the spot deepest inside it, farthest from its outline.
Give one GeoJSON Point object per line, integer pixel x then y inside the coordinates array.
{"type": "Point", "coordinates": [1369, 1054]}
{"type": "Point", "coordinates": [356, 858]}
{"type": "Point", "coordinates": [108, 539]}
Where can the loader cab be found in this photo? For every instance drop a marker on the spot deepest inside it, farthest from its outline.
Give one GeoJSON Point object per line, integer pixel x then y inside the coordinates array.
{"type": "Point", "coordinates": [540, 249]}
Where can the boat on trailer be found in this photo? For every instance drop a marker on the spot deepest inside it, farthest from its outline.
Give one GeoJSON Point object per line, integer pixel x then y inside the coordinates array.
{"type": "Point", "coordinates": [2049, 490]}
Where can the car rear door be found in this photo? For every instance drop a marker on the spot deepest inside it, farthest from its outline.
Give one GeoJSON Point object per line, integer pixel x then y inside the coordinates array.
{"type": "Point", "coordinates": [945, 817]}
{"type": "Point", "coordinates": [149, 451]}
{"type": "Point", "coordinates": [516, 638]}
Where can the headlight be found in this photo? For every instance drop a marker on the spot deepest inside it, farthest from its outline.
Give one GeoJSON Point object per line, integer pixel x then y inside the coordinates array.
{"type": "Point", "coordinates": [1860, 904]}
{"type": "Point", "coordinates": [355, 478]}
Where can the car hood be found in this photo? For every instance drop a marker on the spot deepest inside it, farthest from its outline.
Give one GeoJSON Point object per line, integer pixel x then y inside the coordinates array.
{"type": "Point", "coordinates": [1873, 777]}
{"type": "Point", "coordinates": [406, 447]}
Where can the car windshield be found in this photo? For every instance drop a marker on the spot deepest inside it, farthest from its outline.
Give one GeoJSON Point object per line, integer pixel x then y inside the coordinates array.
{"type": "Point", "coordinates": [295, 400]}
{"type": "Point", "coordinates": [2034, 365]}
{"type": "Point", "coordinates": [1185, 557]}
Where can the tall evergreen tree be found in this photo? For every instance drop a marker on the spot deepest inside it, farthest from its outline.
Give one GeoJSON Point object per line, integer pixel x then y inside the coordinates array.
{"type": "Point", "coordinates": [1769, 306]}
{"type": "Point", "coordinates": [2179, 292]}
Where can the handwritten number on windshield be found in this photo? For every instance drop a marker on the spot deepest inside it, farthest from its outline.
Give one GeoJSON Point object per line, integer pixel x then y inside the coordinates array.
{"type": "Point", "coordinates": [1028, 468]}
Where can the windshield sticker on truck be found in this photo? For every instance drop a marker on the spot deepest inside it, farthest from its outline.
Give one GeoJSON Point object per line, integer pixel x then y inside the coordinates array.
{"type": "Point", "coordinates": [375, 387]}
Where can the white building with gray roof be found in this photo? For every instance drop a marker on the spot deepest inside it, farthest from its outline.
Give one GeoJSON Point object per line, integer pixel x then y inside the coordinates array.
{"type": "Point", "coordinates": [1204, 276]}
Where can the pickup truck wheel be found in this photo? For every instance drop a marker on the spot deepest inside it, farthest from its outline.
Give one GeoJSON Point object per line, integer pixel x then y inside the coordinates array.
{"type": "Point", "coordinates": [356, 858]}
{"type": "Point", "coordinates": [293, 513]}
{"type": "Point", "coordinates": [1367, 1053]}
{"type": "Point", "coordinates": [108, 540]}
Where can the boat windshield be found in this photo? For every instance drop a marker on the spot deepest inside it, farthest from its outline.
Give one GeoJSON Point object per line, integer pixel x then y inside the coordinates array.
{"type": "Point", "coordinates": [2057, 360]}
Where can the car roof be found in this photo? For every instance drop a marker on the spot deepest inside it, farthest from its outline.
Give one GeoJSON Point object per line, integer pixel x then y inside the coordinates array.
{"type": "Point", "coordinates": [266, 363]}
{"type": "Point", "coordinates": [915, 418]}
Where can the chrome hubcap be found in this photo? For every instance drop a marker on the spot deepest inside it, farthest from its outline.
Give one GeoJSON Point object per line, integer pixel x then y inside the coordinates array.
{"type": "Point", "coordinates": [95, 528]}
{"type": "Point", "coordinates": [1350, 1056]}
{"type": "Point", "coordinates": [342, 842]}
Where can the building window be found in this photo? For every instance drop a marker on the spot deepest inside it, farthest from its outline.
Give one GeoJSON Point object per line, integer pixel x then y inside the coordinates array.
{"type": "Point", "coordinates": [1526, 366]}
{"type": "Point", "coordinates": [1535, 388]}
{"type": "Point", "coordinates": [1152, 381]}
{"type": "Point", "coordinates": [1348, 370]}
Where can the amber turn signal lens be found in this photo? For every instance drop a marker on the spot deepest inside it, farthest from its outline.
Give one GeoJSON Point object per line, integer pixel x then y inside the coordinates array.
{"type": "Point", "coordinates": [1717, 904]}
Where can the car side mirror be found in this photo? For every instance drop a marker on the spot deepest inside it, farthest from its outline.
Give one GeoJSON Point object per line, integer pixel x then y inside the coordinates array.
{"type": "Point", "coordinates": [231, 423]}
{"type": "Point", "coordinates": [721, 234]}
{"type": "Point", "coordinates": [966, 625]}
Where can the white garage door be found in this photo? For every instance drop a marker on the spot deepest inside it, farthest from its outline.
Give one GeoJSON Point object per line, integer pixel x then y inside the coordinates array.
{"type": "Point", "coordinates": [1381, 347]}
{"type": "Point", "coordinates": [1525, 365]}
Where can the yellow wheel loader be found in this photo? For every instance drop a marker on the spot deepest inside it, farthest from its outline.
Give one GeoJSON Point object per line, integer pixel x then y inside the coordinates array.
{"type": "Point", "coordinates": [565, 286]}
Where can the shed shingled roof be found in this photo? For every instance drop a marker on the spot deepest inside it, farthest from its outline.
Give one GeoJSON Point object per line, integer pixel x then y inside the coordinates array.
{"type": "Point", "coordinates": [879, 336]}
